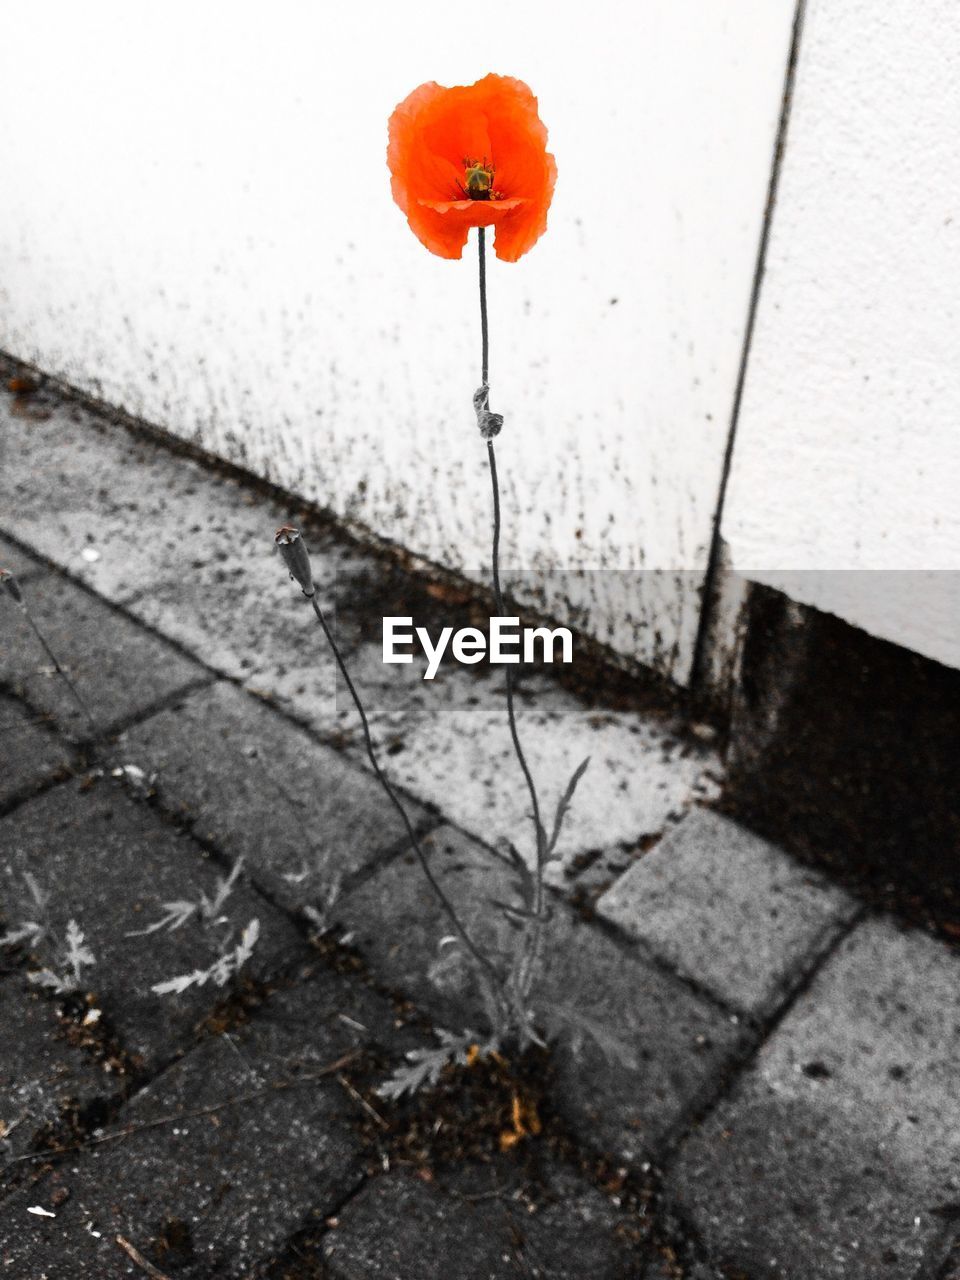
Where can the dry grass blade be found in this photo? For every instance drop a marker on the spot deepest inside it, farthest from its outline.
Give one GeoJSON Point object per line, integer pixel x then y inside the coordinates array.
{"type": "Point", "coordinates": [137, 1258]}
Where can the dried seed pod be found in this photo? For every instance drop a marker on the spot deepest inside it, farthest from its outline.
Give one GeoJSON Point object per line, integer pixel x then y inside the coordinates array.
{"type": "Point", "coordinates": [295, 557]}
{"type": "Point", "coordinates": [11, 585]}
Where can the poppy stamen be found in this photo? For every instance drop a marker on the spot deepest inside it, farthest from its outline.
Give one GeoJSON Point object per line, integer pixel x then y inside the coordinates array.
{"type": "Point", "coordinates": [479, 177]}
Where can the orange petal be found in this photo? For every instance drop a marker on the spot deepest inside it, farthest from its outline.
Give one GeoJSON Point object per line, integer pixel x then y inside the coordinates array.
{"type": "Point", "coordinates": [442, 235]}
{"type": "Point", "coordinates": [489, 210]}
{"type": "Point", "coordinates": [516, 235]}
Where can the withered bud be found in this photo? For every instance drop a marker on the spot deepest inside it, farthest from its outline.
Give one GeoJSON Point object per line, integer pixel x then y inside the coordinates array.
{"type": "Point", "coordinates": [490, 423]}
{"type": "Point", "coordinates": [11, 585]}
{"type": "Point", "coordinates": [295, 557]}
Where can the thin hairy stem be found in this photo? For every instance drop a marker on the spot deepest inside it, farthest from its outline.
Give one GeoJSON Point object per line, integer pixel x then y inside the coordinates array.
{"type": "Point", "coordinates": [442, 898]}
{"type": "Point", "coordinates": [532, 934]}
{"type": "Point", "coordinates": [511, 710]}
{"type": "Point", "coordinates": [531, 945]}
{"type": "Point", "coordinates": [484, 329]}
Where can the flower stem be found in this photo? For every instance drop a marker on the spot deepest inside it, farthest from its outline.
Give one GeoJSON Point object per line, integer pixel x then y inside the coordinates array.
{"type": "Point", "coordinates": [442, 898]}
{"type": "Point", "coordinates": [484, 328]}
{"type": "Point", "coordinates": [498, 593]}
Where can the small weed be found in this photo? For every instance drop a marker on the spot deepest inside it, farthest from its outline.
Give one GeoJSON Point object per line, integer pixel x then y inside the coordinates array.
{"type": "Point", "coordinates": [209, 911]}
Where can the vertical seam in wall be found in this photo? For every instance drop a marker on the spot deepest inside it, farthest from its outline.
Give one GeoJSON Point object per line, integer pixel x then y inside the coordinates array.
{"type": "Point", "coordinates": [698, 660]}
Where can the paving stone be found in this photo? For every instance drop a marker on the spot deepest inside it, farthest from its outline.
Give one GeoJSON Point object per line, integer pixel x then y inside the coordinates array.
{"type": "Point", "coordinates": [303, 816]}
{"type": "Point", "coordinates": [683, 1042]}
{"type": "Point", "coordinates": [130, 514]}
{"type": "Point", "coordinates": [41, 1073]}
{"type": "Point", "coordinates": [118, 668]}
{"type": "Point", "coordinates": [838, 1155]}
{"type": "Point", "coordinates": [450, 745]}
{"type": "Point", "coordinates": [112, 864]}
{"type": "Point", "coordinates": [685, 1047]}
{"type": "Point", "coordinates": [729, 910]}
{"type": "Point", "coordinates": [229, 1187]}
{"type": "Point", "coordinates": [30, 753]}
{"type": "Point", "coordinates": [248, 621]}
{"type": "Point", "coordinates": [188, 549]}
{"type": "Point", "coordinates": [401, 1228]}
{"type": "Point", "coordinates": [398, 924]}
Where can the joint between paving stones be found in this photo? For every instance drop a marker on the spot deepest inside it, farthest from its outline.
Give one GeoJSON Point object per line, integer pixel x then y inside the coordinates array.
{"type": "Point", "coordinates": [53, 568]}
{"type": "Point", "coordinates": [807, 969]}
{"type": "Point", "coordinates": [678, 1230]}
{"type": "Point", "coordinates": [164, 804]}
{"type": "Point", "coordinates": [639, 948]}
{"type": "Point", "coordinates": [139, 1080]}
{"type": "Point", "coordinates": [765, 1028]}
{"type": "Point", "coordinates": [40, 563]}
{"type": "Point", "coordinates": [33, 792]}
{"type": "Point", "coordinates": [138, 717]}
{"type": "Point", "coordinates": [182, 823]}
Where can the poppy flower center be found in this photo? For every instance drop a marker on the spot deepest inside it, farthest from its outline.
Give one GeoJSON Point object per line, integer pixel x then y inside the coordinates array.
{"type": "Point", "coordinates": [479, 180]}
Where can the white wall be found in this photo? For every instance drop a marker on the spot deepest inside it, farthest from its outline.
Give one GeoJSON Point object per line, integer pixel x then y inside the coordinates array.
{"type": "Point", "coordinates": [845, 489]}
{"type": "Point", "coordinates": [196, 225]}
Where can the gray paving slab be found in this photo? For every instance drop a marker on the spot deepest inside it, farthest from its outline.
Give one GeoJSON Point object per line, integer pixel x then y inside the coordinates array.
{"type": "Point", "coordinates": [118, 668]}
{"type": "Point", "coordinates": [303, 816]}
{"type": "Point", "coordinates": [188, 549]}
{"type": "Point", "coordinates": [111, 864]}
{"type": "Point", "coordinates": [452, 746]}
{"type": "Point", "coordinates": [838, 1154]}
{"type": "Point", "coordinates": [403, 1228]}
{"type": "Point", "coordinates": [683, 1043]}
{"type": "Point", "coordinates": [208, 1194]}
{"type": "Point", "coordinates": [107, 485]}
{"type": "Point", "coordinates": [30, 752]}
{"type": "Point", "coordinates": [129, 513]}
{"type": "Point", "coordinates": [245, 617]}
{"type": "Point", "coordinates": [42, 1075]}
{"type": "Point", "coordinates": [729, 910]}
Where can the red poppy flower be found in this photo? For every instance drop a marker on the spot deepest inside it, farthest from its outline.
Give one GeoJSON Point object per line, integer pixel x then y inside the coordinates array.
{"type": "Point", "coordinates": [472, 156]}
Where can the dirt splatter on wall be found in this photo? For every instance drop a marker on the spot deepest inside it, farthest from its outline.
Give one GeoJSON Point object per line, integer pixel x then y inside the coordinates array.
{"type": "Point", "coordinates": [198, 228]}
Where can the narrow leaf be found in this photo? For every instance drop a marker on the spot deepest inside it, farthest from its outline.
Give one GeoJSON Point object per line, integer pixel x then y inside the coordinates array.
{"type": "Point", "coordinates": [564, 805]}
{"type": "Point", "coordinates": [174, 986]}
{"type": "Point", "coordinates": [176, 915]}
{"type": "Point", "coordinates": [248, 941]}
{"type": "Point", "coordinates": [28, 929]}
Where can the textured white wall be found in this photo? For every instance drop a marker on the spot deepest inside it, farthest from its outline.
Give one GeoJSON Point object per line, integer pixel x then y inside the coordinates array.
{"type": "Point", "coordinates": [845, 489]}
{"type": "Point", "coordinates": [196, 226]}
